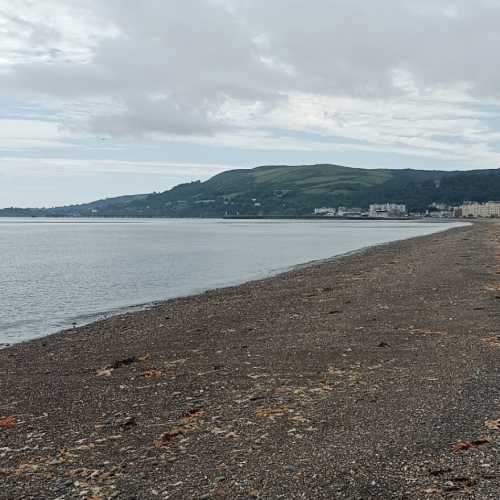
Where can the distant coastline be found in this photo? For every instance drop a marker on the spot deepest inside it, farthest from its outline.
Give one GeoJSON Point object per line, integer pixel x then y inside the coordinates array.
{"type": "Point", "coordinates": [295, 191]}
{"type": "Point", "coordinates": [240, 217]}
{"type": "Point", "coordinates": [339, 218]}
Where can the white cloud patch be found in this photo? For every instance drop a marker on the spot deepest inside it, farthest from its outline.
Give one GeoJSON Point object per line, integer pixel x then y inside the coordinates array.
{"type": "Point", "coordinates": [27, 134]}
{"type": "Point", "coordinates": [13, 166]}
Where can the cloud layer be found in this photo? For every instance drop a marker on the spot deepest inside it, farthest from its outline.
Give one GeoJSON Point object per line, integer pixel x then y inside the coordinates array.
{"type": "Point", "coordinates": [398, 76]}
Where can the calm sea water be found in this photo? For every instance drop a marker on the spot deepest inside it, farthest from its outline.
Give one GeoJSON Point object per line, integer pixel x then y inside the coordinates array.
{"type": "Point", "coordinates": [54, 272]}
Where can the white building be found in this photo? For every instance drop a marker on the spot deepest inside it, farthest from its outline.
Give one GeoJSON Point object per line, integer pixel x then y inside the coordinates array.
{"type": "Point", "coordinates": [440, 210]}
{"type": "Point", "coordinates": [349, 212]}
{"type": "Point", "coordinates": [387, 210]}
{"type": "Point", "coordinates": [474, 209]}
{"type": "Point", "coordinates": [324, 211]}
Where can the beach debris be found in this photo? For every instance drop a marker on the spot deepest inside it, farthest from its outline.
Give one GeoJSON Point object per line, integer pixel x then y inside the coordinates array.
{"type": "Point", "coordinates": [493, 424]}
{"type": "Point", "coordinates": [107, 370]}
{"type": "Point", "coordinates": [450, 487]}
{"type": "Point", "coordinates": [7, 422]}
{"type": "Point", "coordinates": [193, 413]}
{"type": "Point", "coordinates": [85, 447]}
{"type": "Point", "coordinates": [184, 425]}
{"type": "Point", "coordinates": [124, 362]}
{"type": "Point", "coordinates": [156, 372]}
{"type": "Point", "coordinates": [432, 491]}
{"type": "Point", "coordinates": [492, 287]}
{"type": "Point", "coordinates": [428, 333]}
{"type": "Point", "coordinates": [466, 445]}
{"type": "Point", "coordinates": [298, 419]}
{"type": "Point", "coordinates": [126, 422]}
{"type": "Point", "coordinates": [332, 370]}
{"type": "Point", "coordinates": [167, 437]}
{"type": "Point", "coordinates": [217, 431]}
{"type": "Point", "coordinates": [152, 373]}
{"type": "Point", "coordinates": [492, 341]}
{"type": "Point", "coordinates": [324, 387]}
{"type": "Point", "coordinates": [104, 372]}
{"type": "Point", "coordinates": [383, 344]}
{"type": "Point", "coordinates": [168, 367]}
{"type": "Point", "coordinates": [258, 375]}
{"type": "Point", "coordinates": [39, 465]}
{"type": "Point", "coordinates": [334, 376]}
{"type": "Point", "coordinates": [271, 413]}
{"type": "Point", "coordinates": [20, 470]}
{"type": "Point", "coordinates": [440, 472]}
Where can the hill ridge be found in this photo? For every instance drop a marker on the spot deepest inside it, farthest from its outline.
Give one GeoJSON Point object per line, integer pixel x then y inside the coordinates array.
{"type": "Point", "coordinates": [292, 190]}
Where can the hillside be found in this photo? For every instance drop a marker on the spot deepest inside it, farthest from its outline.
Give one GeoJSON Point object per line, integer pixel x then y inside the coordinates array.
{"type": "Point", "coordinates": [115, 204]}
{"type": "Point", "coordinates": [294, 190]}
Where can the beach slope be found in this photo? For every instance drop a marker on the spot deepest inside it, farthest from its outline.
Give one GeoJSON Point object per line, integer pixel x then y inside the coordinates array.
{"type": "Point", "coordinates": [375, 375]}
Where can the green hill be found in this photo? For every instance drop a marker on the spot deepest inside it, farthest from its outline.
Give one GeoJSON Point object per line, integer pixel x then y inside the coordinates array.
{"type": "Point", "coordinates": [297, 190]}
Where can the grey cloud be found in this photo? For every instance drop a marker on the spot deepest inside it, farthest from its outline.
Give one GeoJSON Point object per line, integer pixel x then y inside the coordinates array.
{"type": "Point", "coordinates": [165, 115]}
{"type": "Point", "coordinates": [353, 46]}
{"type": "Point", "coordinates": [174, 64]}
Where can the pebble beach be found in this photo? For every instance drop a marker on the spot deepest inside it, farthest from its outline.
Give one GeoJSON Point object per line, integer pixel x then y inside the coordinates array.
{"type": "Point", "coordinates": [373, 375]}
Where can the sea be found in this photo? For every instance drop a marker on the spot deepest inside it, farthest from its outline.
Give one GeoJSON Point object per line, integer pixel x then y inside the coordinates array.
{"type": "Point", "coordinates": [57, 273]}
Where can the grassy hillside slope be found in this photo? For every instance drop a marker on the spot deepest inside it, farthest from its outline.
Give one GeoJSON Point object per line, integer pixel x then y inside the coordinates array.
{"type": "Point", "coordinates": [297, 190]}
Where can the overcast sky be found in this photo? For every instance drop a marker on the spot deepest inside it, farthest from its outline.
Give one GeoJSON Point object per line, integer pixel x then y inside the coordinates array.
{"type": "Point", "coordinates": [106, 97]}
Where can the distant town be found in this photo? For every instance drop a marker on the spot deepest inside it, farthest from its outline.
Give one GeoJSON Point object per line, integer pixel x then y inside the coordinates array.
{"type": "Point", "coordinates": [469, 209]}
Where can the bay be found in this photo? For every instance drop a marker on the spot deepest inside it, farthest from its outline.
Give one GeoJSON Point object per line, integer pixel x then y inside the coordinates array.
{"type": "Point", "coordinates": [56, 272]}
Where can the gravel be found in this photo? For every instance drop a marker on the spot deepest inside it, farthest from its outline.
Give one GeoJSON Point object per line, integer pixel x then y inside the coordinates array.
{"type": "Point", "coordinates": [373, 375]}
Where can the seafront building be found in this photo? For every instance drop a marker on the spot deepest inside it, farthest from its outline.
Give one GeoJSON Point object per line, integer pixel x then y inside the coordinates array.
{"type": "Point", "coordinates": [349, 212]}
{"type": "Point", "coordinates": [474, 209]}
{"type": "Point", "coordinates": [441, 214]}
{"type": "Point", "coordinates": [381, 210]}
{"type": "Point", "coordinates": [327, 211]}
{"type": "Point", "coordinates": [441, 211]}
{"type": "Point", "coordinates": [387, 210]}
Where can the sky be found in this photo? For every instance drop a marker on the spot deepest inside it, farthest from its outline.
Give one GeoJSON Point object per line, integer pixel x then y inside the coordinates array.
{"type": "Point", "coordinates": [100, 98]}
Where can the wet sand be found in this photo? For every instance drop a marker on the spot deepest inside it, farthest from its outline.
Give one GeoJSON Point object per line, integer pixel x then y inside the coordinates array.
{"type": "Point", "coordinates": [375, 375]}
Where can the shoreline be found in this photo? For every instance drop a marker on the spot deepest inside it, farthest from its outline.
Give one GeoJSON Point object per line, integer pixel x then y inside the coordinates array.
{"type": "Point", "coordinates": [369, 375]}
{"type": "Point", "coordinates": [73, 323]}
